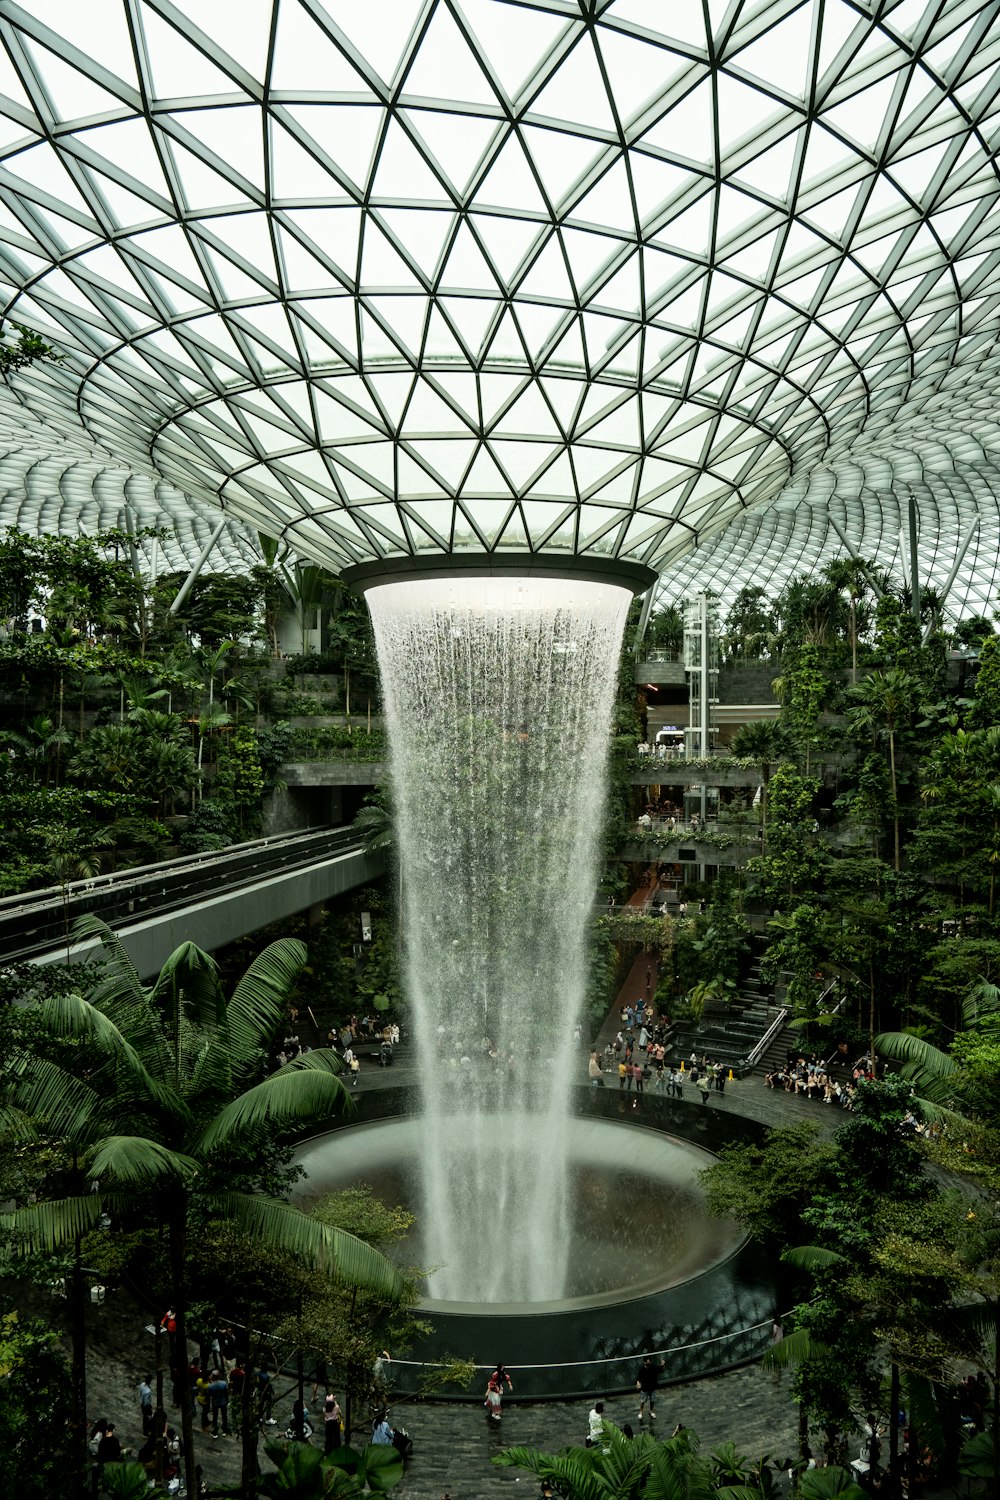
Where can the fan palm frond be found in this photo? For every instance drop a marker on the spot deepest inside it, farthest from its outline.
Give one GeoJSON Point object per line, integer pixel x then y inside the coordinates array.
{"type": "Point", "coordinates": [258, 1001]}
{"type": "Point", "coordinates": [190, 977]}
{"type": "Point", "coordinates": [212, 1074]}
{"type": "Point", "coordinates": [137, 1161]}
{"type": "Point", "coordinates": [812, 1257]}
{"type": "Point", "coordinates": [833, 1483]}
{"type": "Point", "coordinates": [49, 1226]}
{"type": "Point", "coordinates": [62, 1105]}
{"type": "Point", "coordinates": [302, 1094]}
{"type": "Point", "coordinates": [922, 1055]}
{"type": "Point", "coordinates": [71, 1015]}
{"type": "Point", "coordinates": [571, 1472]}
{"type": "Point", "coordinates": [338, 1254]}
{"type": "Point", "coordinates": [793, 1349]}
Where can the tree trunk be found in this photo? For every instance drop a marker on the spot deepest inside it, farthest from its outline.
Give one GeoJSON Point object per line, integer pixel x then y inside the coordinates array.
{"type": "Point", "coordinates": [854, 643]}
{"type": "Point", "coordinates": [250, 1415]}
{"type": "Point", "coordinates": [895, 798]}
{"type": "Point", "coordinates": [765, 777]}
{"type": "Point", "coordinates": [893, 1415]}
{"type": "Point", "coordinates": [178, 1354]}
{"type": "Point", "coordinates": [78, 1374]}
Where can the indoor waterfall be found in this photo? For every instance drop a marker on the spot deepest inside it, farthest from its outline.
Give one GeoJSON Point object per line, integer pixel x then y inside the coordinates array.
{"type": "Point", "coordinates": [498, 696]}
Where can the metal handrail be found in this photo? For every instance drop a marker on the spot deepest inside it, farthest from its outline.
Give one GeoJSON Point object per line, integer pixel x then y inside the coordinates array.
{"type": "Point", "coordinates": [778, 1024]}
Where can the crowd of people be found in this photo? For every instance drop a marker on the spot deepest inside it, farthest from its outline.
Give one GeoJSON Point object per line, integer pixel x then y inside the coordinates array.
{"type": "Point", "coordinates": [825, 1082]}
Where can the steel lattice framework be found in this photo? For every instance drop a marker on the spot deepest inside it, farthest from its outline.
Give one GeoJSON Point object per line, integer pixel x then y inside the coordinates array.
{"type": "Point", "coordinates": [610, 277]}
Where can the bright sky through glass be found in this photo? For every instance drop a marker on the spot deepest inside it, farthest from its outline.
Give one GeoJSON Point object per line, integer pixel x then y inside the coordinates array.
{"type": "Point", "coordinates": [427, 275]}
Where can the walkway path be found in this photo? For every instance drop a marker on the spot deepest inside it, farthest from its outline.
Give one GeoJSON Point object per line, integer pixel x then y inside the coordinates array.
{"type": "Point", "coordinates": [452, 1444]}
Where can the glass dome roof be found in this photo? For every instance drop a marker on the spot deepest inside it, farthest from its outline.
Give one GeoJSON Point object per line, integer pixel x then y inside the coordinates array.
{"type": "Point", "coordinates": [613, 278]}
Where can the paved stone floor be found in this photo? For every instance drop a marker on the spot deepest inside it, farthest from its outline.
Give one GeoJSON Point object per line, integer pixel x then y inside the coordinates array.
{"type": "Point", "coordinates": [452, 1441]}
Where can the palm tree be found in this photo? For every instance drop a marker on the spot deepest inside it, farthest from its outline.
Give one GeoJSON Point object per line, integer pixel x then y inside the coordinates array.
{"type": "Point", "coordinates": [620, 1468]}
{"type": "Point", "coordinates": [882, 700]}
{"type": "Point", "coordinates": [850, 576]}
{"type": "Point", "coordinates": [375, 822]}
{"type": "Point", "coordinates": [175, 1086]}
{"type": "Point", "coordinates": [765, 741]}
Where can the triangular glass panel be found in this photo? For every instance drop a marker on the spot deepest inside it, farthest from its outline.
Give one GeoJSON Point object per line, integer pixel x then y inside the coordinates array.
{"type": "Point", "coordinates": [687, 129]}
{"type": "Point", "coordinates": [832, 215]}
{"type": "Point", "coordinates": [529, 416]}
{"type": "Point", "coordinates": [445, 67]}
{"type": "Point", "coordinates": [429, 412]}
{"type": "Point", "coordinates": [514, 52]}
{"type": "Point", "coordinates": [742, 111]}
{"type": "Point", "coordinates": [233, 135]}
{"type": "Point", "coordinates": [636, 71]}
{"type": "Point", "coordinates": [548, 277]}
{"type": "Point", "coordinates": [588, 252]}
{"type": "Point", "coordinates": [684, 309]}
{"type": "Point", "coordinates": [337, 230]}
{"type": "Point", "coordinates": [485, 477]}
{"type": "Point", "coordinates": [915, 175]}
{"type": "Point", "coordinates": [755, 259]}
{"type": "Point", "coordinates": [782, 56]}
{"type": "Point", "coordinates": [471, 317]}
{"type": "Point", "coordinates": [381, 263]}
{"type": "Point", "coordinates": [306, 59]}
{"type": "Point", "coordinates": [347, 133]}
{"type": "Point", "coordinates": [297, 175]}
{"type": "Point", "coordinates": [561, 159]}
{"type": "Point", "coordinates": [576, 92]}
{"type": "Point", "coordinates": [441, 339]}
{"type": "Point", "coordinates": [537, 325]}
{"type": "Point", "coordinates": [824, 152]}
{"type": "Point", "coordinates": [457, 142]}
{"type": "Point", "coordinates": [392, 391]}
{"type": "Point", "coordinates": [520, 460]}
{"type": "Point", "coordinates": [622, 290]}
{"type": "Point", "coordinates": [495, 392]}
{"type": "Point", "coordinates": [569, 350]}
{"type": "Point", "coordinates": [382, 46]}
{"type": "Point", "coordinates": [338, 423]}
{"type": "Point", "coordinates": [401, 172]}
{"type": "Point", "coordinates": [301, 272]}
{"type": "Point", "coordinates": [404, 319]}
{"type": "Point", "coordinates": [435, 516]}
{"type": "Point", "coordinates": [200, 185]}
{"type": "Point", "coordinates": [510, 182]}
{"type": "Point", "coordinates": [176, 65]}
{"type": "Point", "coordinates": [609, 202]}
{"type": "Point", "coordinates": [862, 117]}
{"type": "Point", "coordinates": [690, 230]}
{"type": "Point", "coordinates": [73, 94]}
{"type": "Point", "coordinates": [771, 172]}
{"type": "Point", "coordinates": [487, 517]}
{"type": "Point", "coordinates": [449, 459]}
{"type": "Point", "coordinates": [466, 266]}
{"type": "Point", "coordinates": [506, 241]}
{"type": "Point", "coordinates": [655, 182]}
{"type": "Point", "coordinates": [377, 460]}
{"type": "Point", "coordinates": [79, 25]}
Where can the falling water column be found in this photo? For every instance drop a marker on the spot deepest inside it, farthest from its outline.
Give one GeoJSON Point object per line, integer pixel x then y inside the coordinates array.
{"type": "Point", "coordinates": [498, 696]}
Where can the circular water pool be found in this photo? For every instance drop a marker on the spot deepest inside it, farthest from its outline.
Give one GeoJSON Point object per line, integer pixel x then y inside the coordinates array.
{"type": "Point", "coordinates": [638, 1221]}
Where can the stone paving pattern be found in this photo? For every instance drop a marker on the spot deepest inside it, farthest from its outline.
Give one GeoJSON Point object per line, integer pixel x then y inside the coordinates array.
{"type": "Point", "coordinates": [453, 1442]}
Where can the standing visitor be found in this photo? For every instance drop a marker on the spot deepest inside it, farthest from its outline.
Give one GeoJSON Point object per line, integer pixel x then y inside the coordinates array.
{"type": "Point", "coordinates": [331, 1423]}
{"type": "Point", "coordinates": [637, 1076]}
{"type": "Point", "coordinates": [646, 1383]}
{"type": "Point", "coordinates": [595, 1072]}
{"type": "Point", "coordinates": [146, 1405]}
{"type": "Point", "coordinates": [595, 1424]}
{"type": "Point", "coordinates": [494, 1399]}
